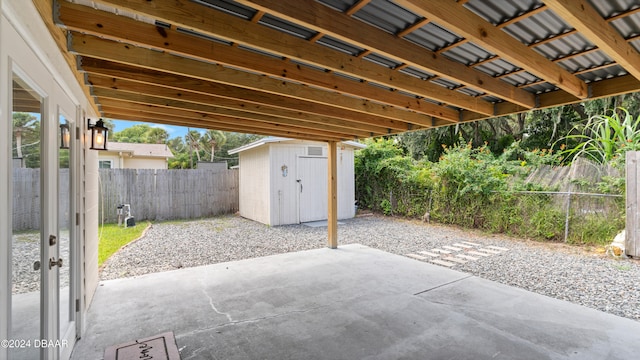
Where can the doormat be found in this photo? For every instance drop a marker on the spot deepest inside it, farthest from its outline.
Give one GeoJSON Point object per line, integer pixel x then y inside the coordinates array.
{"type": "Point", "coordinates": [158, 347]}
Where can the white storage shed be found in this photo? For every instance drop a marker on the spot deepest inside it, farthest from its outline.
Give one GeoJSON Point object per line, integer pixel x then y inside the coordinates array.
{"type": "Point", "coordinates": [284, 181]}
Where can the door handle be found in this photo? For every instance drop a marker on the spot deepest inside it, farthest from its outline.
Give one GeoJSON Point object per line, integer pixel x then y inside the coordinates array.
{"type": "Point", "coordinates": [53, 262]}
{"type": "Point", "coordinates": [299, 181]}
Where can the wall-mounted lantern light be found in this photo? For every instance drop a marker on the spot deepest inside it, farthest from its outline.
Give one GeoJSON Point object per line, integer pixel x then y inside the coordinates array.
{"type": "Point", "coordinates": [98, 135]}
{"type": "Point", "coordinates": [65, 136]}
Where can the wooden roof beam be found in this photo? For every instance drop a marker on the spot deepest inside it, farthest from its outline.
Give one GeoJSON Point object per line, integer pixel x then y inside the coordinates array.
{"type": "Point", "coordinates": [83, 19]}
{"type": "Point", "coordinates": [377, 114]}
{"type": "Point", "coordinates": [313, 15]}
{"type": "Point", "coordinates": [263, 38]}
{"type": "Point", "coordinates": [233, 125]}
{"type": "Point", "coordinates": [469, 25]}
{"type": "Point", "coordinates": [584, 18]}
{"type": "Point", "coordinates": [131, 93]}
{"type": "Point", "coordinates": [124, 102]}
{"type": "Point", "coordinates": [221, 94]}
{"type": "Point", "coordinates": [357, 6]}
{"type": "Point", "coordinates": [599, 89]}
{"type": "Point", "coordinates": [45, 8]}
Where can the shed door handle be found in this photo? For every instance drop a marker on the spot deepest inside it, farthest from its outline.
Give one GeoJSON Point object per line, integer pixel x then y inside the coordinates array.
{"type": "Point", "coordinates": [299, 181]}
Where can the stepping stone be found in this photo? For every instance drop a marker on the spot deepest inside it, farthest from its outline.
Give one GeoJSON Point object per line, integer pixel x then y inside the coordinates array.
{"type": "Point", "coordinates": [489, 251]}
{"type": "Point", "coordinates": [464, 246]}
{"type": "Point", "coordinates": [466, 257]}
{"type": "Point", "coordinates": [498, 248]}
{"type": "Point", "coordinates": [478, 253]}
{"type": "Point", "coordinates": [428, 253]}
{"type": "Point", "coordinates": [443, 263]}
{"type": "Point", "coordinates": [459, 261]}
{"type": "Point", "coordinates": [416, 256]}
{"type": "Point", "coordinates": [470, 243]}
{"type": "Point", "coordinates": [441, 251]}
{"type": "Point", "coordinates": [452, 248]}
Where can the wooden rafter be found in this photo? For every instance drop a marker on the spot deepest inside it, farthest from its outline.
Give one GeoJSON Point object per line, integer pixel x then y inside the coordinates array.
{"type": "Point", "coordinates": [600, 89]}
{"type": "Point", "coordinates": [585, 19]}
{"type": "Point", "coordinates": [357, 6]}
{"type": "Point", "coordinates": [413, 27]}
{"type": "Point", "coordinates": [139, 71]}
{"type": "Point", "coordinates": [224, 26]}
{"type": "Point", "coordinates": [223, 119]}
{"type": "Point", "coordinates": [218, 123]}
{"type": "Point", "coordinates": [118, 52]}
{"type": "Point", "coordinates": [100, 23]}
{"type": "Point", "coordinates": [318, 17]}
{"type": "Point", "coordinates": [45, 8]}
{"type": "Point", "coordinates": [154, 95]}
{"type": "Point", "coordinates": [464, 22]}
{"type": "Point", "coordinates": [200, 91]}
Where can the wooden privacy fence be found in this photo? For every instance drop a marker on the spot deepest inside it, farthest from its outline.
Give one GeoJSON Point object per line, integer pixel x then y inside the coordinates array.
{"type": "Point", "coordinates": [167, 194]}
{"type": "Point", "coordinates": [26, 214]}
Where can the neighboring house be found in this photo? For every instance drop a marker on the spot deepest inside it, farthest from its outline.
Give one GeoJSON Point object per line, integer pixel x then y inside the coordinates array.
{"type": "Point", "coordinates": [134, 156]}
{"type": "Point", "coordinates": [284, 181]}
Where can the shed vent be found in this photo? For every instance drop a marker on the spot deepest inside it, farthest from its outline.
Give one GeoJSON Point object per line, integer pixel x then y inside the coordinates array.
{"type": "Point", "coordinates": [314, 151]}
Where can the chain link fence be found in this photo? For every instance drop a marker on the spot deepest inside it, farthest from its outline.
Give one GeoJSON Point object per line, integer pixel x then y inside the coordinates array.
{"type": "Point", "coordinates": [575, 217]}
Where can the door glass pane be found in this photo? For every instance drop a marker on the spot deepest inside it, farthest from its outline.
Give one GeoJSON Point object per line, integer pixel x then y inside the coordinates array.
{"type": "Point", "coordinates": [64, 224]}
{"type": "Point", "coordinates": [27, 239]}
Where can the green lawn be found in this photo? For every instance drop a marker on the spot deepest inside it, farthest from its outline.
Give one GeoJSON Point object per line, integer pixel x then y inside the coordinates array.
{"type": "Point", "coordinates": [113, 237]}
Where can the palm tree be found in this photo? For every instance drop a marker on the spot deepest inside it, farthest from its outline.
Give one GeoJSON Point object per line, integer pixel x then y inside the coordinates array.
{"type": "Point", "coordinates": [214, 138]}
{"type": "Point", "coordinates": [23, 124]}
{"type": "Point", "coordinates": [193, 140]}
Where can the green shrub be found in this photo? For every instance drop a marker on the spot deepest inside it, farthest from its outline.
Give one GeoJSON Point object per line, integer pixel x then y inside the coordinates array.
{"type": "Point", "coordinates": [473, 188]}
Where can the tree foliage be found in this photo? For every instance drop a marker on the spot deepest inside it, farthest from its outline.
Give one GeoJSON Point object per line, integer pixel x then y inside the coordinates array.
{"type": "Point", "coordinates": [195, 146]}
{"type": "Point", "coordinates": [26, 138]}
{"type": "Point", "coordinates": [471, 187]}
{"type": "Point", "coordinates": [605, 138]}
{"type": "Point", "coordinates": [141, 133]}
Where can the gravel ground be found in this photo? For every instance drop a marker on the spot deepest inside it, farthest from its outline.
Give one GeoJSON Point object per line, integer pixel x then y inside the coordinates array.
{"type": "Point", "coordinates": [26, 251]}
{"type": "Point", "coordinates": [570, 273]}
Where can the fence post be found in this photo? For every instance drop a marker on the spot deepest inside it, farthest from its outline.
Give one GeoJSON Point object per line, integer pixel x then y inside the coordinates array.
{"type": "Point", "coordinates": [632, 240]}
{"type": "Point", "coordinates": [566, 219]}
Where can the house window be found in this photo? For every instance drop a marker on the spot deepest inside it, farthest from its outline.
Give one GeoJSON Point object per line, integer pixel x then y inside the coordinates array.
{"type": "Point", "coordinates": [104, 164]}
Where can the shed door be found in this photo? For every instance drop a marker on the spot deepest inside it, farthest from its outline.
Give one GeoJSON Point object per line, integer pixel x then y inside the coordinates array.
{"type": "Point", "coordinates": [312, 188]}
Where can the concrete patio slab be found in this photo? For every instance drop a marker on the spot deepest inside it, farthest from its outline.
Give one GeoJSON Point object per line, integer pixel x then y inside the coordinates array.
{"type": "Point", "coordinates": [351, 303]}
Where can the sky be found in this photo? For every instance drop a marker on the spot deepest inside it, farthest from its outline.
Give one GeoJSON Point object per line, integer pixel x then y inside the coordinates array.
{"type": "Point", "coordinates": [174, 131]}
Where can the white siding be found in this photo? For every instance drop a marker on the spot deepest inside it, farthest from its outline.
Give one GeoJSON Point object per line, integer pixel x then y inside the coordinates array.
{"type": "Point", "coordinates": [145, 163]}
{"type": "Point", "coordinates": [254, 184]}
{"type": "Point", "coordinates": [346, 183]}
{"type": "Point", "coordinates": [284, 190]}
{"type": "Point", "coordinates": [271, 198]}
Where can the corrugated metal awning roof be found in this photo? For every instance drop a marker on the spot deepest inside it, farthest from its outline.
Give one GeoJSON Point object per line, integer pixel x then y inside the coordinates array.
{"type": "Point", "coordinates": [346, 69]}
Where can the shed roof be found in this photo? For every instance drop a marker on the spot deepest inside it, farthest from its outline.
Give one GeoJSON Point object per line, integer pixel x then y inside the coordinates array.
{"type": "Point", "coordinates": [343, 69]}
{"type": "Point", "coordinates": [272, 140]}
{"type": "Point", "coordinates": [141, 150]}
